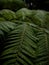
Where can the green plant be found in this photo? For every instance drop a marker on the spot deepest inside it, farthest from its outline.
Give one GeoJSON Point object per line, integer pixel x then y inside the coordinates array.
{"type": "Point", "coordinates": [24, 37]}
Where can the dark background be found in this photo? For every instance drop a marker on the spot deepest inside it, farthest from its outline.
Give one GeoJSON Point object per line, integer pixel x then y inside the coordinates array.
{"type": "Point", "coordinates": [38, 4]}
{"type": "Point", "coordinates": [17, 4]}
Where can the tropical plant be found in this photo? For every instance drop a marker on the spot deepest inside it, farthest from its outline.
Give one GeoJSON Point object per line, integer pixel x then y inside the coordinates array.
{"type": "Point", "coordinates": [24, 37]}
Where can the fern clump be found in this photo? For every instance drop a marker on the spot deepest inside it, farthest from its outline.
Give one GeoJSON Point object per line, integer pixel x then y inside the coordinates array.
{"type": "Point", "coordinates": [24, 37]}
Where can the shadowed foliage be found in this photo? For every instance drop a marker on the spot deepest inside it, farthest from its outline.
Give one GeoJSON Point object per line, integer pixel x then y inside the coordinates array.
{"type": "Point", "coordinates": [24, 37]}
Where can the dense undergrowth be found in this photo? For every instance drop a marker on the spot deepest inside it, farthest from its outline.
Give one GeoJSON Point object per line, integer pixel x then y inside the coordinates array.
{"type": "Point", "coordinates": [24, 34]}
{"type": "Point", "coordinates": [24, 37]}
